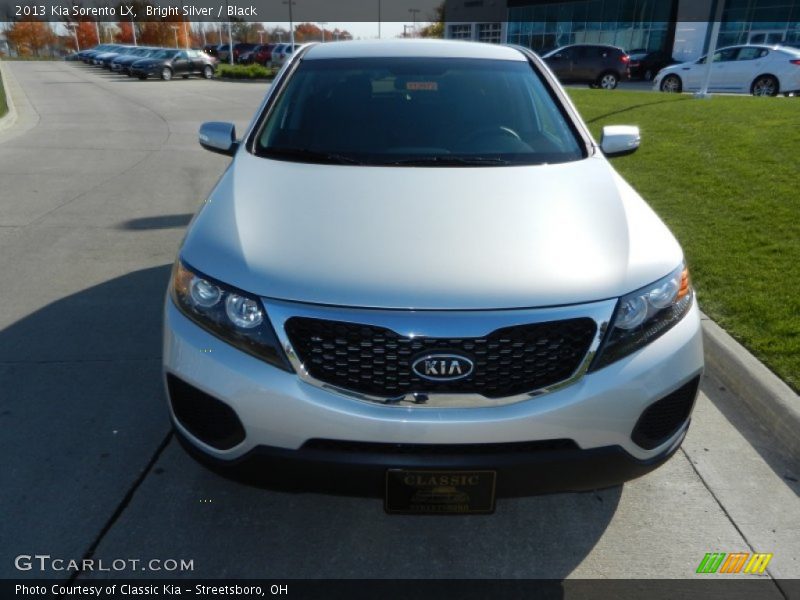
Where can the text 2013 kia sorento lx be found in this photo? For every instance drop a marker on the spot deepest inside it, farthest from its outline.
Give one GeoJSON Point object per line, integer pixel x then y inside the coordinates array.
{"type": "Point", "coordinates": [420, 270]}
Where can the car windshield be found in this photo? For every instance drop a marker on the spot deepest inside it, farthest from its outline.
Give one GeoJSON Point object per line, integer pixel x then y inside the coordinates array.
{"type": "Point", "coordinates": [417, 111]}
{"type": "Point", "coordinates": [164, 54]}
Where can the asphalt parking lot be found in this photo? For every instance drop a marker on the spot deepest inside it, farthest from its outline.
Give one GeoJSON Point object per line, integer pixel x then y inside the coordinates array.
{"type": "Point", "coordinates": [98, 179]}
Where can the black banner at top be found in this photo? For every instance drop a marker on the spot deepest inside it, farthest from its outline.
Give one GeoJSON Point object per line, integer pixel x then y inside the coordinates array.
{"type": "Point", "coordinates": [398, 11]}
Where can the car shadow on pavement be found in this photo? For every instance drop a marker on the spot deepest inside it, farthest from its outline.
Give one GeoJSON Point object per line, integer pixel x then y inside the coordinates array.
{"type": "Point", "coordinates": [159, 222]}
{"type": "Point", "coordinates": [82, 412]}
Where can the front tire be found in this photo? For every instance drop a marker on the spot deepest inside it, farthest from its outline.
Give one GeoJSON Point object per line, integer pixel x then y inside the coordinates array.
{"type": "Point", "coordinates": [208, 72]}
{"type": "Point", "coordinates": [672, 84]}
{"type": "Point", "coordinates": [142, 77]}
{"type": "Point", "coordinates": [608, 81]}
{"type": "Point", "coordinates": [765, 85]}
{"type": "Point", "coordinates": [166, 74]}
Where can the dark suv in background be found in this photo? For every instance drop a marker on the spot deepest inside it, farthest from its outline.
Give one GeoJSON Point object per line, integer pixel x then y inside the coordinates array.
{"type": "Point", "coordinates": [598, 65]}
{"type": "Point", "coordinates": [644, 65]}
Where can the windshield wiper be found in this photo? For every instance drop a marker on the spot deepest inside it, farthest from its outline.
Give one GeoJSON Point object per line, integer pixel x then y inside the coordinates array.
{"type": "Point", "coordinates": [448, 161]}
{"type": "Point", "coordinates": [310, 156]}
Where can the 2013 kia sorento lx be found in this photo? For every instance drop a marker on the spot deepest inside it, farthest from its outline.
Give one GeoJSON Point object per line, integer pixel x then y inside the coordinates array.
{"type": "Point", "coordinates": [421, 271]}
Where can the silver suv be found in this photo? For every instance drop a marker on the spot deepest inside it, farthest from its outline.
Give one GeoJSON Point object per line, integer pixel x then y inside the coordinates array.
{"type": "Point", "coordinates": [421, 271]}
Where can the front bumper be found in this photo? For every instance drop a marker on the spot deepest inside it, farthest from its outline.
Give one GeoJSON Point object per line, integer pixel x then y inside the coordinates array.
{"type": "Point", "coordinates": [522, 469]}
{"type": "Point", "coordinates": [154, 70]}
{"type": "Point", "coordinates": [279, 410]}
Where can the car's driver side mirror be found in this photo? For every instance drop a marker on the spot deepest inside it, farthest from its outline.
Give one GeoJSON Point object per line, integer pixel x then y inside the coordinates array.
{"type": "Point", "coordinates": [219, 137]}
{"type": "Point", "coordinates": [620, 140]}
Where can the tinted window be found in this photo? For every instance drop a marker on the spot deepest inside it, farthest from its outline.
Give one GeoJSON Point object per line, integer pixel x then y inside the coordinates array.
{"type": "Point", "coordinates": [752, 53]}
{"type": "Point", "coordinates": [423, 110]}
{"type": "Point", "coordinates": [726, 55]}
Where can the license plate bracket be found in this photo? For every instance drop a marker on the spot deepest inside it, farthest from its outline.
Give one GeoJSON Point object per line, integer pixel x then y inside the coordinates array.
{"type": "Point", "coordinates": [424, 492]}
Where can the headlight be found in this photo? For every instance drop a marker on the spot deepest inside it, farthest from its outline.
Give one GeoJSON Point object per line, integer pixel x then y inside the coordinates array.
{"type": "Point", "coordinates": [230, 314]}
{"type": "Point", "coordinates": [644, 315]}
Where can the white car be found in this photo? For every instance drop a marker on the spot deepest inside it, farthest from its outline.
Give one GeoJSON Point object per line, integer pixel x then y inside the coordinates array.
{"type": "Point", "coordinates": [281, 53]}
{"type": "Point", "coordinates": [754, 69]}
{"type": "Point", "coordinates": [421, 271]}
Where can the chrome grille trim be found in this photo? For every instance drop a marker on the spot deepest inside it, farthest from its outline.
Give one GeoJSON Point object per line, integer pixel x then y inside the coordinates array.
{"type": "Point", "coordinates": [443, 324]}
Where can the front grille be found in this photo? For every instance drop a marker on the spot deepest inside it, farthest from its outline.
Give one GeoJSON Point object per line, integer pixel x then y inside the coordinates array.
{"type": "Point", "coordinates": [663, 418]}
{"type": "Point", "coordinates": [377, 361]}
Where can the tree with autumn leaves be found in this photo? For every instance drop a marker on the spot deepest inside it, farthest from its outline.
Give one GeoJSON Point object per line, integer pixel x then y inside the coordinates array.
{"type": "Point", "coordinates": [30, 38]}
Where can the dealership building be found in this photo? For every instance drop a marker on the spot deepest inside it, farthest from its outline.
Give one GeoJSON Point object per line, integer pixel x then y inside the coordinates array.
{"type": "Point", "coordinates": [681, 28]}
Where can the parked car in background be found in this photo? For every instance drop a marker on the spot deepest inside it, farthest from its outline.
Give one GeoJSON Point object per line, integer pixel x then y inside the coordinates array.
{"type": "Point", "coordinates": [98, 58]}
{"type": "Point", "coordinates": [645, 65]}
{"type": "Point", "coordinates": [210, 49]}
{"type": "Point", "coordinates": [552, 344]}
{"type": "Point", "coordinates": [122, 62]}
{"type": "Point", "coordinates": [596, 64]}
{"type": "Point", "coordinates": [281, 53]}
{"type": "Point", "coordinates": [750, 69]}
{"type": "Point", "coordinates": [240, 49]}
{"type": "Point", "coordinates": [167, 64]}
{"type": "Point", "coordinates": [87, 56]}
{"type": "Point", "coordinates": [262, 54]}
{"type": "Point", "coordinates": [223, 52]}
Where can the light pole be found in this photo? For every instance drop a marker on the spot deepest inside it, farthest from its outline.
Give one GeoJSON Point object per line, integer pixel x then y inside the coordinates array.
{"type": "Point", "coordinates": [712, 50]}
{"type": "Point", "coordinates": [175, 31]}
{"type": "Point", "coordinates": [97, 31]}
{"type": "Point", "coordinates": [260, 36]}
{"type": "Point", "coordinates": [133, 32]}
{"type": "Point", "coordinates": [414, 12]}
{"type": "Point", "coordinates": [379, 19]}
{"type": "Point", "coordinates": [230, 43]}
{"type": "Point", "coordinates": [322, 27]}
{"type": "Point", "coordinates": [291, 22]}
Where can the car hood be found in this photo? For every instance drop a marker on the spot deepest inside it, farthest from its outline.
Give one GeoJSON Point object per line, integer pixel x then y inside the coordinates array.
{"type": "Point", "coordinates": [429, 238]}
{"type": "Point", "coordinates": [676, 67]}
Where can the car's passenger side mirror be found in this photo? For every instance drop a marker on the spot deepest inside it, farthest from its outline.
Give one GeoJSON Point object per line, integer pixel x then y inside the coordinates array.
{"type": "Point", "coordinates": [219, 137]}
{"type": "Point", "coordinates": [620, 140]}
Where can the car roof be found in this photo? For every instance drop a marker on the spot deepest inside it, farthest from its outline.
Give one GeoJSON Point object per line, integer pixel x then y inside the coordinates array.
{"type": "Point", "coordinates": [412, 48]}
{"type": "Point", "coordinates": [593, 46]}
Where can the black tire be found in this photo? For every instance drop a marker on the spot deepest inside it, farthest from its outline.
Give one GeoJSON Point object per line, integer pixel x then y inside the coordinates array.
{"type": "Point", "coordinates": [166, 73]}
{"type": "Point", "coordinates": [142, 77]}
{"type": "Point", "coordinates": [649, 74]}
{"type": "Point", "coordinates": [208, 72]}
{"type": "Point", "coordinates": [608, 81]}
{"type": "Point", "coordinates": [671, 84]}
{"type": "Point", "coordinates": [765, 85]}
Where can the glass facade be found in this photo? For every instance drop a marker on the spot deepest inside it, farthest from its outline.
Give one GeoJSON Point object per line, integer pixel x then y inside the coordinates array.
{"type": "Point", "coordinates": [760, 22]}
{"type": "Point", "coordinates": [629, 24]}
{"type": "Point", "coordinates": [461, 32]}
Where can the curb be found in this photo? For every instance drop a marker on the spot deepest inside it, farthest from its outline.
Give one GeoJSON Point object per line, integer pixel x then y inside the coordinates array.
{"type": "Point", "coordinates": [772, 402]}
{"type": "Point", "coordinates": [7, 121]}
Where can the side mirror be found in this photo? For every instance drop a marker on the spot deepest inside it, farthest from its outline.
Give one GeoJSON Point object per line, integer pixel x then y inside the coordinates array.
{"type": "Point", "coordinates": [620, 140]}
{"type": "Point", "coordinates": [219, 137]}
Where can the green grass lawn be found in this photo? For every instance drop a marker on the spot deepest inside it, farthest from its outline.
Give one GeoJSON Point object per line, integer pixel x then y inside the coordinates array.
{"type": "Point", "coordinates": [724, 174]}
{"type": "Point", "coordinates": [3, 105]}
